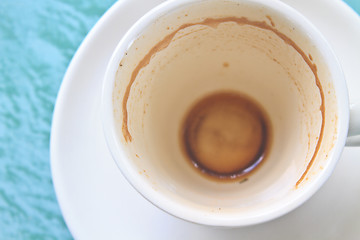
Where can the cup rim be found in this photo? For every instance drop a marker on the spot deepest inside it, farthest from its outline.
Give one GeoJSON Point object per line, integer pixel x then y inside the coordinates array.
{"type": "Point", "coordinates": [185, 212]}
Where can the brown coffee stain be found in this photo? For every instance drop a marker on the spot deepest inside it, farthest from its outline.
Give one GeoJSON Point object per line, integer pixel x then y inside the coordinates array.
{"type": "Point", "coordinates": [243, 180]}
{"type": "Point", "coordinates": [271, 21]}
{"type": "Point", "coordinates": [226, 136]}
{"type": "Point", "coordinates": [214, 22]}
{"type": "Point", "coordinates": [275, 60]}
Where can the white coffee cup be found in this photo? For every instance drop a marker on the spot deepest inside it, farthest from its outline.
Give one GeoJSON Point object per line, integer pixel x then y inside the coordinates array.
{"type": "Point", "coordinates": [184, 50]}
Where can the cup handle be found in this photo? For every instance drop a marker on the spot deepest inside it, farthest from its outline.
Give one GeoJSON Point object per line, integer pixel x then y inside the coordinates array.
{"type": "Point", "coordinates": [354, 126]}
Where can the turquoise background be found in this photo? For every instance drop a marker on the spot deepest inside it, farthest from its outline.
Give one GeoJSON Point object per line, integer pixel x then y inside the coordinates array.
{"type": "Point", "coordinates": [37, 42]}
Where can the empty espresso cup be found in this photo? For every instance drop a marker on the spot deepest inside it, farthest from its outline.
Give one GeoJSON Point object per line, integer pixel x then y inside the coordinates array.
{"type": "Point", "coordinates": [171, 135]}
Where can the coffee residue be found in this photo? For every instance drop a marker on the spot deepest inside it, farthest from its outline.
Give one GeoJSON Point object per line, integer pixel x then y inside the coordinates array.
{"type": "Point", "coordinates": [271, 21]}
{"type": "Point", "coordinates": [214, 22]}
{"type": "Point", "coordinates": [226, 135]}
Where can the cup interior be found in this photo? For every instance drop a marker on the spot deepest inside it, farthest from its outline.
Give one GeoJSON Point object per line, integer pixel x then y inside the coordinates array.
{"type": "Point", "coordinates": [175, 56]}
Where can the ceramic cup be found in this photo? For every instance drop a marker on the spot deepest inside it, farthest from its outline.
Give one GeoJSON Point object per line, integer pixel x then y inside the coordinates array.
{"type": "Point", "coordinates": [184, 50]}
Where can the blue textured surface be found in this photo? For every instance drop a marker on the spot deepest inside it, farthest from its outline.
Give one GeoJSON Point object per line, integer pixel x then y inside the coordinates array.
{"type": "Point", "coordinates": [37, 42]}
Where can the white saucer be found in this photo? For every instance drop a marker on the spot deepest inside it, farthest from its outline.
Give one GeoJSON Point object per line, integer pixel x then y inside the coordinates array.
{"type": "Point", "coordinates": [98, 203]}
